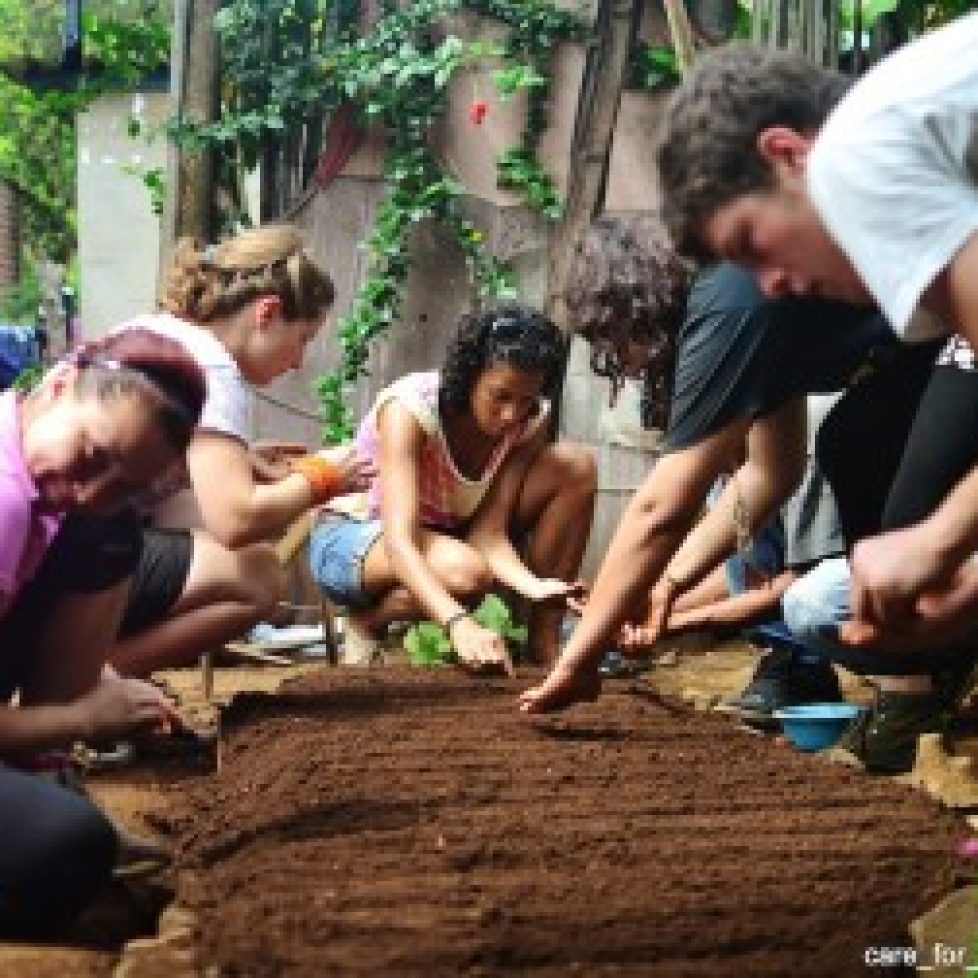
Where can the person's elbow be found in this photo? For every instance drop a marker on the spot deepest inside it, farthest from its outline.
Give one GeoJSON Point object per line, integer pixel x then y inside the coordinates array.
{"type": "Point", "coordinates": [401, 545]}
{"type": "Point", "coordinates": [657, 512]}
{"type": "Point", "coordinates": [232, 527]}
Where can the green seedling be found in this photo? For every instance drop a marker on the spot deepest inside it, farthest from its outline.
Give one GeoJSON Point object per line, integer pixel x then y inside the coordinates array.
{"type": "Point", "coordinates": [427, 644]}
{"type": "Point", "coordinates": [494, 614]}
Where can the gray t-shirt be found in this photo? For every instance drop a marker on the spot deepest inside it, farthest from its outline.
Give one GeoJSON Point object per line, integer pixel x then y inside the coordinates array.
{"type": "Point", "coordinates": [741, 355]}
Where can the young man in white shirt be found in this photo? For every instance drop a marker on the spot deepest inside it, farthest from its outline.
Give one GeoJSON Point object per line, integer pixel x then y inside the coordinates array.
{"type": "Point", "coordinates": [869, 195]}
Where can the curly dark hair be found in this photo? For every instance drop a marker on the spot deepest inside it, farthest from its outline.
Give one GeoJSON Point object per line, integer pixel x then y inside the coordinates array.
{"type": "Point", "coordinates": [515, 335]}
{"type": "Point", "coordinates": [707, 145]}
{"type": "Point", "coordinates": [626, 285]}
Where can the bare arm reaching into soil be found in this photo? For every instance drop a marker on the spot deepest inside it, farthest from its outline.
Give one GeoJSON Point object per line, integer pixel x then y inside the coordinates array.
{"type": "Point", "coordinates": [709, 606]}
{"type": "Point", "coordinates": [775, 463]}
{"type": "Point", "coordinates": [892, 572]}
{"type": "Point", "coordinates": [655, 524]}
{"type": "Point", "coordinates": [115, 707]}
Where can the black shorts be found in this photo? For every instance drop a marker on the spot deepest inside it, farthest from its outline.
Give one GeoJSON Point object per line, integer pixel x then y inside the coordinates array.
{"type": "Point", "coordinates": [88, 555]}
{"type": "Point", "coordinates": [159, 579]}
{"type": "Point", "coordinates": [56, 853]}
{"type": "Point", "coordinates": [896, 445]}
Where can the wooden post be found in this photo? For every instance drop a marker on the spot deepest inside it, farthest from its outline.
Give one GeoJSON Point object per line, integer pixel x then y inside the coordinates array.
{"type": "Point", "coordinates": [682, 33]}
{"type": "Point", "coordinates": [857, 38]}
{"type": "Point", "coordinates": [604, 77]}
{"type": "Point", "coordinates": [9, 235]}
{"type": "Point", "coordinates": [194, 89]}
{"type": "Point", "coordinates": [832, 34]}
{"type": "Point", "coordinates": [757, 11]}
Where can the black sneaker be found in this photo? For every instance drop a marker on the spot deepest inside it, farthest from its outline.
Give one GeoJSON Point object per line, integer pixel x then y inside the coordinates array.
{"type": "Point", "coordinates": [615, 666]}
{"type": "Point", "coordinates": [782, 679]}
{"type": "Point", "coordinates": [884, 738]}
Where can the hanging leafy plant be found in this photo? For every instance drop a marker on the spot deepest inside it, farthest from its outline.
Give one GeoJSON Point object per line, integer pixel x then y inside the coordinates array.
{"type": "Point", "coordinates": [653, 67]}
{"type": "Point", "coordinates": [288, 62]}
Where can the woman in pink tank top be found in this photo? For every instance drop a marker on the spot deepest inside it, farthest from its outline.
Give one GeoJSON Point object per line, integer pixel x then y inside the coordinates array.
{"type": "Point", "coordinates": [465, 467]}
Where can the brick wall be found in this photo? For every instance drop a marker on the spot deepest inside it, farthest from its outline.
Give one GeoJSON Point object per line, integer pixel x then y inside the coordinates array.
{"type": "Point", "coordinates": [9, 236]}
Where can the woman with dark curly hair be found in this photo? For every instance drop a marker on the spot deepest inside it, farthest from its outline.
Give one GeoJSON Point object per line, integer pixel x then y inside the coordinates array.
{"type": "Point", "coordinates": [731, 370]}
{"type": "Point", "coordinates": [627, 298]}
{"type": "Point", "coordinates": [464, 462]}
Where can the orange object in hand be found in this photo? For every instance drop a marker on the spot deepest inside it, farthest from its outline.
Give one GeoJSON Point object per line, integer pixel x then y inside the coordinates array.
{"type": "Point", "coordinates": [325, 477]}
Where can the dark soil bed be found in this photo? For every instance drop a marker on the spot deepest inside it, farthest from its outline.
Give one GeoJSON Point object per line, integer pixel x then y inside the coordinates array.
{"type": "Point", "coordinates": [396, 823]}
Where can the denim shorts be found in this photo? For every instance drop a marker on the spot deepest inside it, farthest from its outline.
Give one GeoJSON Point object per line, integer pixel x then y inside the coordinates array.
{"type": "Point", "coordinates": [337, 549]}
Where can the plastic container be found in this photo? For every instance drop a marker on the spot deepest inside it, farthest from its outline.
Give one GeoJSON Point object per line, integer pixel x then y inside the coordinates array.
{"type": "Point", "coordinates": [815, 726]}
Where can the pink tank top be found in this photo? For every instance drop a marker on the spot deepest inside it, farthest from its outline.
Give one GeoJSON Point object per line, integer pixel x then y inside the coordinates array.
{"type": "Point", "coordinates": [447, 498]}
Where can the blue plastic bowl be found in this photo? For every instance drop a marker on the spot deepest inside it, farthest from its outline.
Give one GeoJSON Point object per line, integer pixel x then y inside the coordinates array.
{"type": "Point", "coordinates": [816, 726]}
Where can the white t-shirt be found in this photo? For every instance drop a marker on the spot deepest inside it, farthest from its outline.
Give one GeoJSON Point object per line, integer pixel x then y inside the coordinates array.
{"type": "Point", "coordinates": [227, 408]}
{"type": "Point", "coordinates": [894, 171]}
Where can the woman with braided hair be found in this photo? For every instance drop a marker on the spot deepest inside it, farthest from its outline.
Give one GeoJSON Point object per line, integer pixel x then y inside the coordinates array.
{"type": "Point", "coordinates": [245, 310]}
{"type": "Point", "coordinates": [464, 464]}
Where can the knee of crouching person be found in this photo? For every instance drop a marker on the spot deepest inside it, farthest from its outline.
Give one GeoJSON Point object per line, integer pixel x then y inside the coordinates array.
{"type": "Point", "coordinates": [585, 469]}
{"type": "Point", "coordinates": [265, 577]}
{"type": "Point", "coordinates": [804, 620]}
{"type": "Point", "coordinates": [468, 576]}
{"type": "Point", "coordinates": [577, 468]}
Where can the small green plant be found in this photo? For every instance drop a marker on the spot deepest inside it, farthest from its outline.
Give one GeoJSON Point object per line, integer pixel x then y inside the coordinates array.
{"type": "Point", "coordinates": [427, 644]}
{"type": "Point", "coordinates": [495, 615]}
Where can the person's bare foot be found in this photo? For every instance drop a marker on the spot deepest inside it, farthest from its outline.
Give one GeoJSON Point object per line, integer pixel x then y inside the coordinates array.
{"type": "Point", "coordinates": [562, 688]}
{"type": "Point", "coordinates": [361, 646]}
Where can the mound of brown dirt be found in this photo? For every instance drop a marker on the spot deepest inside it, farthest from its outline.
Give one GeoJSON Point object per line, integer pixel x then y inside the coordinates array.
{"type": "Point", "coordinates": [396, 823]}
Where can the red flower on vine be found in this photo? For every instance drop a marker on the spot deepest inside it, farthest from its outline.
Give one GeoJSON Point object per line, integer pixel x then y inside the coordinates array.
{"type": "Point", "coordinates": [477, 112]}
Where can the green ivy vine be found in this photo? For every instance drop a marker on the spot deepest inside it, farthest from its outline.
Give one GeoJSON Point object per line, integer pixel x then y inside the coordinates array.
{"type": "Point", "coordinates": [653, 67]}
{"type": "Point", "coordinates": [289, 63]}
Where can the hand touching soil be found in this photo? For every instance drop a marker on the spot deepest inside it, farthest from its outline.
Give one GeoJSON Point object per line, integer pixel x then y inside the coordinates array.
{"type": "Point", "coordinates": [118, 706]}
{"type": "Point", "coordinates": [479, 648]}
{"type": "Point", "coordinates": [563, 687]}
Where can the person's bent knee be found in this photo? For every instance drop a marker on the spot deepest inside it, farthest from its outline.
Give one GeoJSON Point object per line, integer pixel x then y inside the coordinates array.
{"type": "Point", "coordinates": [264, 577]}
{"type": "Point", "coordinates": [466, 575]}
{"type": "Point", "coordinates": [805, 620]}
{"type": "Point", "coordinates": [62, 858]}
{"type": "Point", "coordinates": [819, 600]}
{"type": "Point", "coordinates": [577, 467]}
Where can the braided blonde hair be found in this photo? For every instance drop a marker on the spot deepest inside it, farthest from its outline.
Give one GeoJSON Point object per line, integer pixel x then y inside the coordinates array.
{"type": "Point", "coordinates": [206, 283]}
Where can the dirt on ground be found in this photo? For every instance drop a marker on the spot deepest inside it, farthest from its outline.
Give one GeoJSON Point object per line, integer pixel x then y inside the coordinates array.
{"type": "Point", "coordinates": [135, 795]}
{"type": "Point", "coordinates": [396, 822]}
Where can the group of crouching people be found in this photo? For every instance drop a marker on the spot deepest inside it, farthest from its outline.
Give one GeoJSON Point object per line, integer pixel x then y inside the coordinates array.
{"type": "Point", "coordinates": [803, 337]}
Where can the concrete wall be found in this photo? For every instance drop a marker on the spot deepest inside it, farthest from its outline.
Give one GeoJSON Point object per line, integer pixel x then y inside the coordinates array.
{"type": "Point", "coordinates": [118, 233]}
{"type": "Point", "coordinates": [339, 217]}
